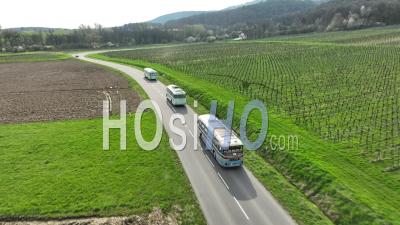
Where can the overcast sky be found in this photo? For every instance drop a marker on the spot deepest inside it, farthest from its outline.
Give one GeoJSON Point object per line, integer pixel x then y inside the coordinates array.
{"type": "Point", "coordinates": [72, 13]}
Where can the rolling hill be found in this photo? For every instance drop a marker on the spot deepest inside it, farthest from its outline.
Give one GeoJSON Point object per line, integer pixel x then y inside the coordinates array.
{"type": "Point", "coordinates": [175, 16]}
{"type": "Point", "coordinates": [274, 17]}
{"type": "Point", "coordinates": [247, 14]}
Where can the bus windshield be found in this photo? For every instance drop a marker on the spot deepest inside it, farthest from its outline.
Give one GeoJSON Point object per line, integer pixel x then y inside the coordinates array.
{"type": "Point", "coordinates": [234, 151]}
{"type": "Point", "coordinates": [179, 96]}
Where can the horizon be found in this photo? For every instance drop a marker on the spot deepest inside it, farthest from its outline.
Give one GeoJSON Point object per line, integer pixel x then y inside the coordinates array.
{"type": "Point", "coordinates": [37, 15]}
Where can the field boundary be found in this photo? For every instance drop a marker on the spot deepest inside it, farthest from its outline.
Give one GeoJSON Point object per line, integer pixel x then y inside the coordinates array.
{"type": "Point", "coordinates": [33, 57]}
{"type": "Point", "coordinates": [132, 83]}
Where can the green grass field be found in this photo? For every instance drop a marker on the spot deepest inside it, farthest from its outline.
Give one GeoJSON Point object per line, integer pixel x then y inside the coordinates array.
{"type": "Point", "coordinates": [32, 57]}
{"type": "Point", "coordinates": [58, 169]}
{"type": "Point", "coordinates": [339, 98]}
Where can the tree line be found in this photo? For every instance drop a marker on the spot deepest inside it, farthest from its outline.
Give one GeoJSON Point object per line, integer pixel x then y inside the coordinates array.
{"type": "Point", "coordinates": [97, 36]}
{"type": "Point", "coordinates": [85, 37]}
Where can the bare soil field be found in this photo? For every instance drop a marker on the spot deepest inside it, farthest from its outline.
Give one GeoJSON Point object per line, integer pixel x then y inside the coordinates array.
{"type": "Point", "coordinates": [59, 90]}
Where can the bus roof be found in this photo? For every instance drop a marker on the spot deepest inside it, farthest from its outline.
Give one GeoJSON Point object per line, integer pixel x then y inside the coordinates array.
{"type": "Point", "coordinates": [176, 90]}
{"type": "Point", "coordinates": [149, 70]}
{"type": "Point", "coordinates": [219, 129]}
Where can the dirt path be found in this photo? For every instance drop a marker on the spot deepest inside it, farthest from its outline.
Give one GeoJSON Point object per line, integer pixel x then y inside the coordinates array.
{"type": "Point", "coordinates": [156, 217]}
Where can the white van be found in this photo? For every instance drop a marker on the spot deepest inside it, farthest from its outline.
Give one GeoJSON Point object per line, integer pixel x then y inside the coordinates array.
{"type": "Point", "coordinates": [175, 95]}
{"type": "Point", "coordinates": [150, 74]}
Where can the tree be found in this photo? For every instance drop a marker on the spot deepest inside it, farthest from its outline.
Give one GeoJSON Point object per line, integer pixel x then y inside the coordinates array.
{"type": "Point", "coordinates": [211, 39]}
{"type": "Point", "coordinates": [194, 30]}
{"type": "Point", "coordinates": [1, 39]}
{"type": "Point", "coordinates": [336, 23]}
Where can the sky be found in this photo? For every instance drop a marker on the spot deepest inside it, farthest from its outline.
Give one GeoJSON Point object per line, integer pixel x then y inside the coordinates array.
{"type": "Point", "coordinates": [72, 13]}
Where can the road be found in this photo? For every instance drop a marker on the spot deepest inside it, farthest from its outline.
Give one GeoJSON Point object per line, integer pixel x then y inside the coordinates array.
{"type": "Point", "coordinates": [226, 196]}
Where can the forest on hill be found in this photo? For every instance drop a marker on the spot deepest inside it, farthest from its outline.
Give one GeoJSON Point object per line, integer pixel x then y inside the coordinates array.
{"type": "Point", "coordinates": [257, 13]}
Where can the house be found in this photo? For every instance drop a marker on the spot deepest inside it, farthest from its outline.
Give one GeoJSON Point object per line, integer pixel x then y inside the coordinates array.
{"type": "Point", "coordinates": [190, 39]}
{"type": "Point", "coordinates": [110, 44]}
{"type": "Point", "coordinates": [241, 37]}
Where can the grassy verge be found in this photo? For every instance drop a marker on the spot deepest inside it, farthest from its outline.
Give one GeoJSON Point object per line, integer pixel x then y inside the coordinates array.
{"type": "Point", "coordinates": [32, 57]}
{"type": "Point", "coordinates": [304, 211]}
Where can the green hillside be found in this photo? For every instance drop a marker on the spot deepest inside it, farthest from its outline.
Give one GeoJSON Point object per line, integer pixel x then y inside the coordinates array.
{"type": "Point", "coordinates": [174, 16]}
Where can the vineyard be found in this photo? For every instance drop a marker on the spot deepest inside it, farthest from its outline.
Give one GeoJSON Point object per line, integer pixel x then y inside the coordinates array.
{"type": "Point", "coordinates": [374, 36]}
{"type": "Point", "coordinates": [342, 93]}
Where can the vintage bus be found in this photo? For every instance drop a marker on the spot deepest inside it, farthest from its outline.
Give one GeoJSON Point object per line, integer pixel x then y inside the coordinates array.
{"type": "Point", "coordinates": [227, 153]}
{"type": "Point", "coordinates": [176, 96]}
{"type": "Point", "coordinates": [150, 74]}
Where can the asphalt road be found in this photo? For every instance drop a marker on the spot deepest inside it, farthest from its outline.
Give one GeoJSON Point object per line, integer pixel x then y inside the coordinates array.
{"type": "Point", "coordinates": [226, 196]}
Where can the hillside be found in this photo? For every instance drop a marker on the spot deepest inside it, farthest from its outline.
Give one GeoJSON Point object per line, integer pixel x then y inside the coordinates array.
{"type": "Point", "coordinates": [247, 14]}
{"type": "Point", "coordinates": [260, 1]}
{"type": "Point", "coordinates": [174, 16]}
{"type": "Point", "coordinates": [245, 4]}
{"type": "Point", "coordinates": [265, 18]}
